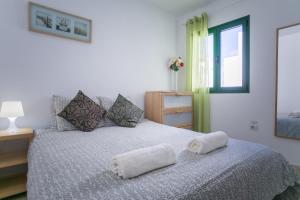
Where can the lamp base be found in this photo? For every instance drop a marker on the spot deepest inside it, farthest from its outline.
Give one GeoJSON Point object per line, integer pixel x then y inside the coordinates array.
{"type": "Point", "coordinates": [12, 125]}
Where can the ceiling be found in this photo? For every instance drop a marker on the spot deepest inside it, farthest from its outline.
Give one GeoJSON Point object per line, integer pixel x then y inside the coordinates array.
{"type": "Point", "coordinates": [178, 7]}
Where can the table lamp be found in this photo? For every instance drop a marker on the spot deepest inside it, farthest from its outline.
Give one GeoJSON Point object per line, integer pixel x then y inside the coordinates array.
{"type": "Point", "coordinates": [12, 110]}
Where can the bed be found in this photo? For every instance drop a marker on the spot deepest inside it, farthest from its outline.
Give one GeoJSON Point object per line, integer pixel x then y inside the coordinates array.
{"type": "Point", "coordinates": [288, 126]}
{"type": "Point", "coordinates": [76, 165]}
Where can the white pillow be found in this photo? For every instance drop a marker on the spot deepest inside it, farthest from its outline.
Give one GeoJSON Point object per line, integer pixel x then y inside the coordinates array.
{"type": "Point", "coordinates": [107, 103]}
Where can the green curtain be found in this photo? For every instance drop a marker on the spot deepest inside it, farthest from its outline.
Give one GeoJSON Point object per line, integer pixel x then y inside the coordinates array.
{"type": "Point", "coordinates": [198, 71]}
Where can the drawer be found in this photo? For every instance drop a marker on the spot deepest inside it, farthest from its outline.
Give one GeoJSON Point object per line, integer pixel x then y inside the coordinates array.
{"type": "Point", "coordinates": [177, 101]}
{"type": "Point", "coordinates": [170, 108]}
{"type": "Point", "coordinates": [178, 119]}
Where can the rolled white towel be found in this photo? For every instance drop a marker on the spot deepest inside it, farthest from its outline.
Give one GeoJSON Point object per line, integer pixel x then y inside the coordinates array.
{"type": "Point", "coordinates": [140, 161]}
{"type": "Point", "coordinates": [208, 142]}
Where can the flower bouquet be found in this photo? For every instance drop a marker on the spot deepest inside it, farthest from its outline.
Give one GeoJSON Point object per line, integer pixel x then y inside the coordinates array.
{"type": "Point", "coordinates": [175, 65]}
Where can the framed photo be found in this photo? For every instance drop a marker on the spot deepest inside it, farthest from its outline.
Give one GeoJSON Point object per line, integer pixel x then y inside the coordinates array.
{"type": "Point", "coordinates": [54, 22]}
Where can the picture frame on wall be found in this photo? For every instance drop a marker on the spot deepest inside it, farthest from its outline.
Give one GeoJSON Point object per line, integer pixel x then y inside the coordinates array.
{"type": "Point", "coordinates": [50, 21]}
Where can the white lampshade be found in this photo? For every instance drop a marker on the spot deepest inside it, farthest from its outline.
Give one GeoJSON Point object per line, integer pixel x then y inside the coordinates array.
{"type": "Point", "coordinates": [11, 109]}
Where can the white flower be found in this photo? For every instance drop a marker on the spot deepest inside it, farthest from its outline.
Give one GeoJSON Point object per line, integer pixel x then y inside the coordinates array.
{"type": "Point", "coordinates": [172, 61]}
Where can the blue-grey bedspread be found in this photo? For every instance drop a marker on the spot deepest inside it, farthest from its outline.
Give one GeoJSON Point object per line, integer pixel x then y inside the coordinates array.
{"type": "Point", "coordinates": [288, 127]}
{"type": "Point", "coordinates": [76, 165]}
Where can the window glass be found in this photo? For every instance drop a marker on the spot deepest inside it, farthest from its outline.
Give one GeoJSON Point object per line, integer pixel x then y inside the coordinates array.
{"type": "Point", "coordinates": [232, 57]}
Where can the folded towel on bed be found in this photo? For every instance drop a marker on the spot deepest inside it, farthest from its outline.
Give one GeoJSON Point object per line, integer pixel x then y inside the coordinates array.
{"type": "Point", "coordinates": [208, 142]}
{"type": "Point", "coordinates": [140, 161]}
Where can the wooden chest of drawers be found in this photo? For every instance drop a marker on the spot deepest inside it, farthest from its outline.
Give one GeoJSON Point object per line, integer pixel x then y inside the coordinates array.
{"type": "Point", "coordinates": [170, 108]}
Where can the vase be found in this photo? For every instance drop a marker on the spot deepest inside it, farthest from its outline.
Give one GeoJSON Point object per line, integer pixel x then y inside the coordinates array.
{"type": "Point", "coordinates": [174, 80]}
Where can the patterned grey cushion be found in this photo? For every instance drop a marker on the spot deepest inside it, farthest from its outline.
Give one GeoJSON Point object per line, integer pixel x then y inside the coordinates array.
{"type": "Point", "coordinates": [83, 113]}
{"type": "Point", "coordinates": [59, 103]}
{"type": "Point", "coordinates": [107, 103]}
{"type": "Point", "coordinates": [124, 113]}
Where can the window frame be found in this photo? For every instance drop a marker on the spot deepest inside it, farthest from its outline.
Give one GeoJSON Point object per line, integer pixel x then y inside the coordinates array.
{"type": "Point", "coordinates": [216, 31]}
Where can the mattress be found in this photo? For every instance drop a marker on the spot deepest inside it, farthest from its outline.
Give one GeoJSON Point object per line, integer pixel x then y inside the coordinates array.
{"type": "Point", "coordinates": [76, 165]}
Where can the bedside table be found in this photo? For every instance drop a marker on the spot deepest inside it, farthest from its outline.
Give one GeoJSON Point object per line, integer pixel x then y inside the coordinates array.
{"type": "Point", "coordinates": [17, 183]}
{"type": "Point", "coordinates": [170, 108]}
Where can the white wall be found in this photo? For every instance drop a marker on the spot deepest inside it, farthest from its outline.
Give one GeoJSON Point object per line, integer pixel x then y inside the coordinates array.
{"type": "Point", "coordinates": [233, 112]}
{"type": "Point", "coordinates": [131, 45]}
{"type": "Point", "coordinates": [288, 70]}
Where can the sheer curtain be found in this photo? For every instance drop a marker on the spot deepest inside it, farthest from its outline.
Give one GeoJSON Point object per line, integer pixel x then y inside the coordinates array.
{"type": "Point", "coordinates": [198, 70]}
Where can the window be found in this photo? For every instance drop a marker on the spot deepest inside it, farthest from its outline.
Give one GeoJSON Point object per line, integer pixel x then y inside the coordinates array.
{"type": "Point", "coordinates": [228, 57]}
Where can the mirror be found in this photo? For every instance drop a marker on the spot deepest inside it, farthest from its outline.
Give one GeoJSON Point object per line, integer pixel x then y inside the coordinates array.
{"type": "Point", "coordinates": [288, 82]}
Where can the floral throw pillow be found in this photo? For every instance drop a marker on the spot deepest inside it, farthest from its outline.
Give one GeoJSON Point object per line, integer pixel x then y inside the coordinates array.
{"type": "Point", "coordinates": [124, 113]}
{"type": "Point", "coordinates": [83, 113]}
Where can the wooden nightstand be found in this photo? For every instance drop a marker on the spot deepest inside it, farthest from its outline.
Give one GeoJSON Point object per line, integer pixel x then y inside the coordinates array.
{"type": "Point", "coordinates": [17, 183]}
{"type": "Point", "coordinates": [170, 108]}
